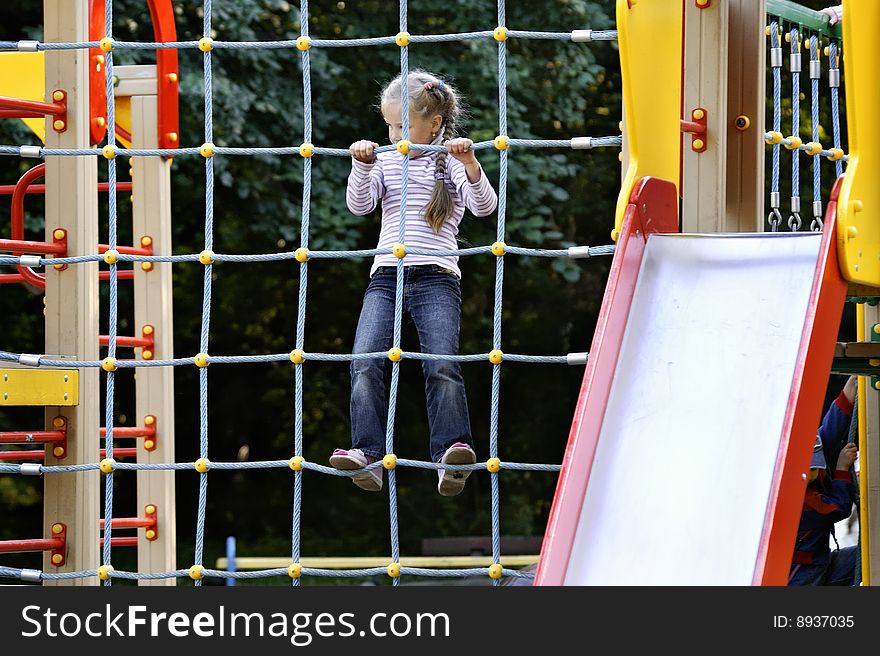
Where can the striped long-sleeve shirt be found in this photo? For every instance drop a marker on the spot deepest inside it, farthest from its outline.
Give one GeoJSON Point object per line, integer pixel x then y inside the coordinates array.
{"type": "Point", "coordinates": [381, 181]}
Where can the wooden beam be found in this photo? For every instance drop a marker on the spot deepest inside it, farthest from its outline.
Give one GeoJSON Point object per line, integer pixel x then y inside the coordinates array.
{"type": "Point", "coordinates": [154, 386]}
{"type": "Point", "coordinates": [72, 294]}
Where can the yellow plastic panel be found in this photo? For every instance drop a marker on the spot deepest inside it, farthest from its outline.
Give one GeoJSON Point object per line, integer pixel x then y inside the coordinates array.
{"type": "Point", "coordinates": [22, 75]}
{"type": "Point", "coordinates": [649, 37]}
{"type": "Point", "coordinates": [123, 118]}
{"type": "Point", "coordinates": [858, 208]}
{"type": "Point", "coordinates": [43, 387]}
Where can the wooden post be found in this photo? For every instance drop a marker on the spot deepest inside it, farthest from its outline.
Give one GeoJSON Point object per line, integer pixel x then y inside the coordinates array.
{"type": "Point", "coordinates": [151, 177]}
{"type": "Point", "coordinates": [746, 97]}
{"type": "Point", "coordinates": [72, 294]}
{"type": "Point", "coordinates": [704, 174]}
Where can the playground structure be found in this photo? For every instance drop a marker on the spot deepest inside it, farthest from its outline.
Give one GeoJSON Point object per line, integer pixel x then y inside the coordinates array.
{"type": "Point", "coordinates": [719, 172]}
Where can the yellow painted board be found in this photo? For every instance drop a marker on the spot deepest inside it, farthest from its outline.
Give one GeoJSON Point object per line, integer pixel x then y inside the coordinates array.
{"type": "Point", "coordinates": [858, 209]}
{"type": "Point", "coordinates": [22, 75]}
{"type": "Point", "coordinates": [361, 562]}
{"type": "Point", "coordinates": [649, 38]}
{"type": "Point", "coordinates": [41, 387]}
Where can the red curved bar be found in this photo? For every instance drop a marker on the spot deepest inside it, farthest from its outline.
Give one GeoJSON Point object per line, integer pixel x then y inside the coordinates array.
{"type": "Point", "coordinates": [164, 29]}
{"type": "Point", "coordinates": [39, 281]}
{"type": "Point", "coordinates": [6, 190]}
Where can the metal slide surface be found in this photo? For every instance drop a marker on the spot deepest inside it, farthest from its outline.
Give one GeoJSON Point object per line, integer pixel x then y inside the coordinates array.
{"type": "Point", "coordinates": [687, 450]}
{"type": "Point", "coordinates": [699, 408]}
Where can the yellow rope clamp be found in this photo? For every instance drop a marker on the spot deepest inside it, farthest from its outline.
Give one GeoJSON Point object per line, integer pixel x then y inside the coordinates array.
{"type": "Point", "coordinates": [195, 572]}
{"type": "Point", "coordinates": [206, 44]}
{"type": "Point", "coordinates": [402, 39]}
{"type": "Point", "coordinates": [296, 463]}
{"type": "Point", "coordinates": [306, 150]}
{"type": "Point", "coordinates": [399, 251]}
{"type": "Point", "coordinates": [500, 33]}
{"type": "Point", "coordinates": [395, 354]}
{"type": "Point", "coordinates": [206, 257]}
{"type": "Point", "coordinates": [403, 146]}
{"type": "Point", "coordinates": [104, 572]}
{"type": "Point", "coordinates": [202, 465]}
{"type": "Point", "coordinates": [108, 364]}
{"type": "Point", "coordinates": [495, 571]}
{"type": "Point", "coordinates": [774, 138]}
{"type": "Point", "coordinates": [106, 44]}
{"type": "Point", "coordinates": [303, 43]}
{"type": "Point", "coordinates": [836, 154]}
{"type": "Point", "coordinates": [496, 356]}
{"type": "Point", "coordinates": [109, 152]}
{"type": "Point", "coordinates": [206, 150]}
{"type": "Point", "coordinates": [794, 143]}
{"type": "Point", "coordinates": [813, 148]}
{"type": "Point", "coordinates": [389, 461]}
{"type": "Point", "coordinates": [294, 570]}
{"type": "Point", "coordinates": [614, 235]}
{"type": "Point", "coordinates": [500, 142]}
{"type": "Point", "coordinates": [394, 570]}
{"type": "Point", "coordinates": [296, 356]}
{"type": "Point", "coordinates": [498, 248]}
{"type": "Point", "coordinates": [301, 255]}
{"type": "Point", "coordinates": [493, 465]}
{"type": "Point", "coordinates": [111, 256]}
{"type": "Point", "coordinates": [107, 465]}
{"type": "Point", "coordinates": [201, 360]}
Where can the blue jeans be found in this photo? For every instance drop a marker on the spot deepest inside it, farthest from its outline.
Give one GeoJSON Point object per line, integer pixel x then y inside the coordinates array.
{"type": "Point", "coordinates": [839, 570]}
{"type": "Point", "coordinates": [432, 299]}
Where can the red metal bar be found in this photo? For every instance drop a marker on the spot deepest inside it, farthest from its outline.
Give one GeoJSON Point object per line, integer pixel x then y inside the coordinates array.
{"type": "Point", "coordinates": [122, 542]}
{"type": "Point", "coordinates": [22, 246]}
{"type": "Point", "coordinates": [6, 190]}
{"type": "Point", "coordinates": [39, 544]}
{"type": "Point", "coordinates": [131, 431]}
{"type": "Point", "coordinates": [127, 250]}
{"type": "Point", "coordinates": [33, 106]}
{"type": "Point", "coordinates": [31, 277]}
{"type": "Point", "coordinates": [127, 342]}
{"type": "Point", "coordinates": [57, 544]}
{"type": "Point", "coordinates": [39, 437]}
{"type": "Point", "coordinates": [123, 274]}
{"type": "Point", "coordinates": [40, 454]}
{"type": "Point", "coordinates": [97, 74]}
{"type": "Point", "coordinates": [692, 127]}
{"type": "Point", "coordinates": [16, 113]}
{"type": "Point", "coordinates": [131, 522]}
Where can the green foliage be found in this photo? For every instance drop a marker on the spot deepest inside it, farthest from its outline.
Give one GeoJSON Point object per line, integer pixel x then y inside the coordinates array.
{"type": "Point", "coordinates": [556, 90]}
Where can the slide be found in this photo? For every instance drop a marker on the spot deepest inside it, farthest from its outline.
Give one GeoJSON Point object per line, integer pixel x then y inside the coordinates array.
{"type": "Point", "coordinates": [699, 407]}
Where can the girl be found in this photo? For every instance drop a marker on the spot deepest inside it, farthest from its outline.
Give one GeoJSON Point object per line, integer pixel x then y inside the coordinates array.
{"type": "Point", "coordinates": [439, 189]}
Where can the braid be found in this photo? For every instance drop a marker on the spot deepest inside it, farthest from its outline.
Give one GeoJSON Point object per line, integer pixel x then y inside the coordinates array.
{"type": "Point", "coordinates": [440, 207]}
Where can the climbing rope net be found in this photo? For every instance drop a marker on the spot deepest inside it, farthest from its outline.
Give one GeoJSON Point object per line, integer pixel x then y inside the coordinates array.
{"type": "Point", "coordinates": [302, 255]}
{"type": "Point", "coordinates": [796, 36]}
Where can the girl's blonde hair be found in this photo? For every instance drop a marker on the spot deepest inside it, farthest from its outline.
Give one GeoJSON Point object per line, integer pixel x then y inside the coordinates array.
{"type": "Point", "coordinates": [430, 96]}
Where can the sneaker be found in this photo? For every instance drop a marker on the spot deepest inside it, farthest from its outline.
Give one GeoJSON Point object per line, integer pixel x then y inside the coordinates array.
{"type": "Point", "coordinates": [452, 483]}
{"type": "Point", "coordinates": [357, 459]}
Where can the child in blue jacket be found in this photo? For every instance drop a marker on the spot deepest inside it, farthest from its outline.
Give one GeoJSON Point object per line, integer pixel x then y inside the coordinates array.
{"type": "Point", "coordinates": [828, 499]}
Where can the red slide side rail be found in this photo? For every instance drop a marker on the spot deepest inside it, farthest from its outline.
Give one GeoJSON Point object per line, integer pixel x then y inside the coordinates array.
{"type": "Point", "coordinates": [804, 412]}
